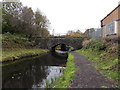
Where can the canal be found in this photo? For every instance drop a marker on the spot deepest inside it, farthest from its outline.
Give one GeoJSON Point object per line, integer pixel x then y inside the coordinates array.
{"type": "Point", "coordinates": [33, 72]}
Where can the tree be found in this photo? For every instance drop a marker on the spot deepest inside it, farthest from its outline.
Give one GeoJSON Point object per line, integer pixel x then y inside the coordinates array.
{"type": "Point", "coordinates": [77, 33]}
{"type": "Point", "coordinates": [41, 23]}
{"type": "Point", "coordinates": [27, 19]}
{"type": "Point", "coordinates": [89, 32]}
{"type": "Point", "coordinates": [22, 20]}
{"type": "Point", "coordinates": [10, 13]}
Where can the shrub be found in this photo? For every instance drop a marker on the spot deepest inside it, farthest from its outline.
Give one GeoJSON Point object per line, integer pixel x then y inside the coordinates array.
{"type": "Point", "coordinates": [95, 44]}
{"type": "Point", "coordinates": [15, 41]}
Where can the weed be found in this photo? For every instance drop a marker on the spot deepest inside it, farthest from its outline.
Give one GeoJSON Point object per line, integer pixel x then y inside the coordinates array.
{"type": "Point", "coordinates": [65, 80]}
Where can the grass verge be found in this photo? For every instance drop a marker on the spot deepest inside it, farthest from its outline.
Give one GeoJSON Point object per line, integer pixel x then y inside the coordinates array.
{"type": "Point", "coordinates": [11, 55]}
{"type": "Point", "coordinates": [68, 75]}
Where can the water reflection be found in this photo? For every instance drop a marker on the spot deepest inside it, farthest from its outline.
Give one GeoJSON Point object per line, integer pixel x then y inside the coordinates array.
{"type": "Point", "coordinates": [32, 72]}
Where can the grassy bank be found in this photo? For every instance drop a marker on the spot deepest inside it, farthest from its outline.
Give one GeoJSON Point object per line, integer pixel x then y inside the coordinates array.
{"type": "Point", "coordinates": [68, 75]}
{"type": "Point", "coordinates": [10, 55]}
{"type": "Point", "coordinates": [104, 56]}
{"type": "Point", "coordinates": [15, 47]}
{"type": "Point", "coordinates": [15, 42]}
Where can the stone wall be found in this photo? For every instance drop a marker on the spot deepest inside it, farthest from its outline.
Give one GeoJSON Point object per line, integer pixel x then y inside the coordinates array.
{"type": "Point", "coordinates": [48, 43]}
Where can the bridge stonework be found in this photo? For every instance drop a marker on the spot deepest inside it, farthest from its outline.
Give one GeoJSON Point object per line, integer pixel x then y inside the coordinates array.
{"type": "Point", "coordinates": [48, 43]}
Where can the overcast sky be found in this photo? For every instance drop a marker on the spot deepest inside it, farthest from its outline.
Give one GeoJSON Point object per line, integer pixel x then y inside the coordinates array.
{"type": "Point", "coordinates": [67, 15]}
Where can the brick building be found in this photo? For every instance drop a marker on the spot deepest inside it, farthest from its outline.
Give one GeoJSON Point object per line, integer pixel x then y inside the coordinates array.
{"type": "Point", "coordinates": [111, 24]}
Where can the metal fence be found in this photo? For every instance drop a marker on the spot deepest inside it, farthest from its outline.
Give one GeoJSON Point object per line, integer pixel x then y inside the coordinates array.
{"type": "Point", "coordinates": [96, 33]}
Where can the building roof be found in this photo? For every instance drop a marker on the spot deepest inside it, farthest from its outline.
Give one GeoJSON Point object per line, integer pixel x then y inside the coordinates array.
{"type": "Point", "coordinates": [111, 12]}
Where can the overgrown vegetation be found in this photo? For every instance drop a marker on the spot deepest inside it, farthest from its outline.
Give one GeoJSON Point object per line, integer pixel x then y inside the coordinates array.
{"type": "Point", "coordinates": [15, 41]}
{"type": "Point", "coordinates": [17, 46]}
{"type": "Point", "coordinates": [105, 56]}
{"type": "Point", "coordinates": [68, 75]}
{"type": "Point", "coordinates": [20, 28]}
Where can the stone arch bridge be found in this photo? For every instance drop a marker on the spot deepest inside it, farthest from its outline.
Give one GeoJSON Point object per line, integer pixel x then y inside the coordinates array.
{"type": "Point", "coordinates": [49, 42]}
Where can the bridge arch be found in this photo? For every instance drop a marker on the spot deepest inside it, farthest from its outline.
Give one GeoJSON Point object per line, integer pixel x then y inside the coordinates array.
{"type": "Point", "coordinates": [63, 46]}
{"type": "Point", "coordinates": [49, 43]}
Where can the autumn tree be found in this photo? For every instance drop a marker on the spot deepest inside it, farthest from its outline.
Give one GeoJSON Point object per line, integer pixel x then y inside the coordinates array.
{"type": "Point", "coordinates": [10, 16]}
{"type": "Point", "coordinates": [27, 19]}
{"type": "Point", "coordinates": [77, 33]}
{"type": "Point", "coordinates": [18, 19]}
{"type": "Point", "coordinates": [41, 23]}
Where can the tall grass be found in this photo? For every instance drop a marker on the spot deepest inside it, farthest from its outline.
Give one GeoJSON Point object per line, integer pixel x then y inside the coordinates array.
{"type": "Point", "coordinates": [68, 75]}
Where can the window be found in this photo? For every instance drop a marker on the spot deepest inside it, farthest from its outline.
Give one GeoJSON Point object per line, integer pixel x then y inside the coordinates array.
{"type": "Point", "coordinates": [111, 28]}
{"type": "Point", "coordinates": [116, 26]}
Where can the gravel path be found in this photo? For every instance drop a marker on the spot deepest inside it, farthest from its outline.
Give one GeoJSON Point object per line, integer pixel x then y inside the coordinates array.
{"type": "Point", "coordinates": [86, 75]}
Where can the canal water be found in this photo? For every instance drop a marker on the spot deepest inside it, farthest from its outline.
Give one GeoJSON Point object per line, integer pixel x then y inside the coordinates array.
{"type": "Point", "coordinates": [32, 72]}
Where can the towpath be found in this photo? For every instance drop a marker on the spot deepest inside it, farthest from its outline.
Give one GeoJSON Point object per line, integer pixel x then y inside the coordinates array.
{"type": "Point", "coordinates": [87, 76]}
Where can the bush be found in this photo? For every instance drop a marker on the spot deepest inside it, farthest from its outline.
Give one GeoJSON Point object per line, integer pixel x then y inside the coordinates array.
{"type": "Point", "coordinates": [15, 41]}
{"type": "Point", "coordinates": [95, 44]}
